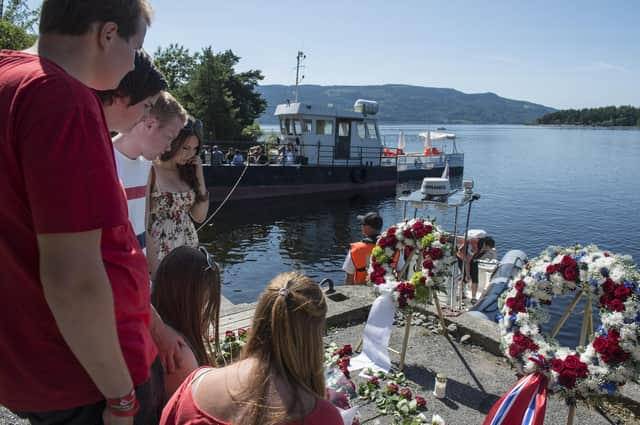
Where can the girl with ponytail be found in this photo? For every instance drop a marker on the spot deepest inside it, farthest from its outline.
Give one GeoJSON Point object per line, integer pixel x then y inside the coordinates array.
{"type": "Point", "coordinates": [280, 379]}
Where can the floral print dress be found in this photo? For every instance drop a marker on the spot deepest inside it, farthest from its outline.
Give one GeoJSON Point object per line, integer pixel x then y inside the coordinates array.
{"type": "Point", "coordinates": [169, 221]}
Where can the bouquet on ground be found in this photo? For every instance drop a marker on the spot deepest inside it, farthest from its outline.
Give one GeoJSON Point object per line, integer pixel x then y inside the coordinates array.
{"type": "Point", "coordinates": [340, 388]}
{"type": "Point", "coordinates": [231, 345]}
{"type": "Point", "coordinates": [393, 397]}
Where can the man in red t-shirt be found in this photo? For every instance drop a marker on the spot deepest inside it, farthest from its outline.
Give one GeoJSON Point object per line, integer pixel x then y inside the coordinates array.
{"type": "Point", "coordinates": [75, 315]}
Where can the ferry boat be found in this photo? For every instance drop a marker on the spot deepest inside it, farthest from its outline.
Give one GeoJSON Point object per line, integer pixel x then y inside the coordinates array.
{"type": "Point", "coordinates": [430, 163]}
{"type": "Point", "coordinates": [319, 150]}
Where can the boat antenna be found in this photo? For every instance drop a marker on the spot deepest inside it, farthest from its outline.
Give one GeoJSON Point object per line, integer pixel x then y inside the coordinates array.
{"type": "Point", "coordinates": [301, 56]}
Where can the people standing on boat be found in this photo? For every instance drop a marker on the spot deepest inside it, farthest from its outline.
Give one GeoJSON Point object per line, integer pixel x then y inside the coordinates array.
{"type": "Point", "coordinates": [76, 338]}
{"type": "Point", "coordinates": [178, 196]}
{"type": "Point", "coordinates": [229, 155]}
{"type": "Point", "coordinates": [466, 251]}
{"type": "Point", "coordinates": [135, 150]}
{"type": "Point", "coordinates": [357, 260]}
{"type": "Point", "coordinates": [486, 251]}
{"type": "Point", "coordinates": [238, 159]}
{"type": "Point", "coordinates": [126, 105]}
{"type": "Point", "coordinates": [217, 157]}
{"type": "Point", "coordinates": [186, 293]}
{"type": "Point", "coordinates": [280, 378]}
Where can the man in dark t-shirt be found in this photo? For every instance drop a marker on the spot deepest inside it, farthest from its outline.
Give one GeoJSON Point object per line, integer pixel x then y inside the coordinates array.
{"type": "Point", "coordinates": [75, 315]}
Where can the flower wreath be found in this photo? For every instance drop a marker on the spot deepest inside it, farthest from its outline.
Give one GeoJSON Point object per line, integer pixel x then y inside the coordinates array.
{"type": "Point", "coordinates": [611, 357]}
{"type": "Point", "coordinates": [431, 264]}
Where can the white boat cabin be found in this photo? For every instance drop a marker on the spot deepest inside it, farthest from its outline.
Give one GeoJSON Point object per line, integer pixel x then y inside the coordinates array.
{"type": "Point", "coordinates": [325, 136]}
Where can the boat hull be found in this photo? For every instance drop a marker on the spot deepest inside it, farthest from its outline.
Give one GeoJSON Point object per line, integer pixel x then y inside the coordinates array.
{"type": "Point", "coordinates": [417, 167]}
{"type": "Point", "coordinates": [273, 181]}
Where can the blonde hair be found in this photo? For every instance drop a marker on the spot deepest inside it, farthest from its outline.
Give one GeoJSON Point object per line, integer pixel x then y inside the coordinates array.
{"type": "Point", "coordinates": [286, 339]}
{"type": "Point", "coordinates": [167, 108]}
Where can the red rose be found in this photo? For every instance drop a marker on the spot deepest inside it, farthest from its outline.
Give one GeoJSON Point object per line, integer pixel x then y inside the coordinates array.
{"type": "Point", "coordinates": [557, 365]}
{"type": "Point", "coordinates": [406, 393]}
{"type": "Point", "coordinates": [614, 334]}
{"type": "Point", "coordinates": [408, 233]}
{"type": "Point", "coordinates": [392, 388]}
{"type": "Point", "coordinates": [571, 361]}
{"type": "Point", "coordinates": [347, 350]}
{"type": "Point", "coordinates": [374, 380]}
{"type": "Point", "coordinates": [515, 350]}
{"type": "Point", "coordinates": [582, 370]}
{"type": "Point", "coordinates": [551, 269]}
{"type": "Point", "coordinates": [568, 378]}
{"type": "Point", "coordinates": [428, 228]}
{"type": "Point", "coordinates": [622, 292]}
{"type": "Point", "coordinates": [568, 262]}
{"type": "Point", "coordinates": [616, 305]}
{"type": "Point", "coordinates": [430, 273]}
{"type": "Point", "coordinates": [570, 274]}
{"type": "Point", "coordinates": [510, 302]}
{"type": "Point", "coordinates": [421, 403]}
{"type": "Point", "coordinates": [606, 254]}
{"type": "Point", "coordinates": [423, 281]}
{"type": "Point", "coordinates": [428, 264]}
{"type": "Point", "coordinates": [605, 300]}
{"type": "Point", "coordinates": [435, 253]}
{"type": "Point", "coordinates": [608, 286]}
{"type": "Point", "coordinates": [518, 337]}
{"type": "Point", "coordinates": [391, 231]}
{"type": "Point", "coordinates": [242, 332]}
{"type": "Point", "coordinates": [379, 280]}
{"type": "Point", "coordinates": [443, 241]}
{"type": "Point", "coordinates": [519, 285]}
{"type": "Point", "coordinates": [600, 344]}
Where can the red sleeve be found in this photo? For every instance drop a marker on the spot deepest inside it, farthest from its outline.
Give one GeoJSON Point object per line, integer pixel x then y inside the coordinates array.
{"type": "Point", "coordinates": [67, 161]}
{"type": "Point", "coordinates": [327, 414]}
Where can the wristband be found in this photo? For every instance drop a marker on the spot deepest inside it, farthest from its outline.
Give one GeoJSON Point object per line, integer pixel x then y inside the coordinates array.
{"type": "Point", "coordinates": [124, 406]}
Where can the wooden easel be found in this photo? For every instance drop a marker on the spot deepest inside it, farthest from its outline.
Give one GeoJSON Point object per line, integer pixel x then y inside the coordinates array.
{"type": "Point", "coordinates": [586, 331]}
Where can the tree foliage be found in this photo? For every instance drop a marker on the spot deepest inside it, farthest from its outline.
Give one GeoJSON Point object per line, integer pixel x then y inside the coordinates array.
{"type": "Point", "coordinates": [609, 116]}
{"type": "Point", "coordinates": [207, 84]}
{"type": "Point", "coordinates": [13, 37]}
{"type": "Point", "coordinates": [18, 13]}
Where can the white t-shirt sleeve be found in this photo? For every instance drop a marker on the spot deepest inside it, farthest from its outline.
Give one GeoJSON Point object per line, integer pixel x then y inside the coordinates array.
{"type": "Point", "coordinates": [348, 266]}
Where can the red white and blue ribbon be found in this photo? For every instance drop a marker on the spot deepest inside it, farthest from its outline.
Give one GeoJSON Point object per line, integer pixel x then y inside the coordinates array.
{"type": "Point", "coordinates": [524, 404]}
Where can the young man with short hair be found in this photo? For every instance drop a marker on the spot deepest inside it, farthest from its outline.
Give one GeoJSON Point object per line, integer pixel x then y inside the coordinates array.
{"type": "Point", "coordinates": [75, 314]}
{"type": "Point", "coordinates": [128, 104]}
{"type": "Point", "coordinates": [135, 150]}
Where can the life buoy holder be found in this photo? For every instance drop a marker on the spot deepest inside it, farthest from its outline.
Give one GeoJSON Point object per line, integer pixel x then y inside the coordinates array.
{"type": "Point", "coordinates": [359, 175]}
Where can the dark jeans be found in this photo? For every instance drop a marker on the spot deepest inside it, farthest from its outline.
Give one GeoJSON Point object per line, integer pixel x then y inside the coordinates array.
{"type": "Point", "coordinates": [150, 395]}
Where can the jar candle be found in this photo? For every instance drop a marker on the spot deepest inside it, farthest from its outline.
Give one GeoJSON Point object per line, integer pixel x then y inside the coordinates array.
{"type": "Point", "coordinates": [440, 388]}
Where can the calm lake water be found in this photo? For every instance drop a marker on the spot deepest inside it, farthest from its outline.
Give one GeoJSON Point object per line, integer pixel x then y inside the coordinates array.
{"type": "Point", "coordinates": [539, 186]}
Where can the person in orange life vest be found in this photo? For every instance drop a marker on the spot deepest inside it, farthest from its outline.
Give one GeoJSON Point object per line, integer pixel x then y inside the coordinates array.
{"type": "Point", "coordinates": [357, 260]}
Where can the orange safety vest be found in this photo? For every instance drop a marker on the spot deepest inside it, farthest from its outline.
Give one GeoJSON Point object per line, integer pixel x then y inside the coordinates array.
{"type": "Point", "coordinates": [360, 256]}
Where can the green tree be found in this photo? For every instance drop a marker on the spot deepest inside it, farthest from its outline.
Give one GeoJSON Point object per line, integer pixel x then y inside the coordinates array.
{"type": "Point", "coordinates": [18, 13]}
{"type": "Point", "coordinates": [177, 64]}
{"type": "Point", "coordinates": [13, 37]}
{"type": "Point", "coordinates": [207, 84]}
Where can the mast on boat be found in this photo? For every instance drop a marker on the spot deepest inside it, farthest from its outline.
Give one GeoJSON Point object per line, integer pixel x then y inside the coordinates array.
{"type": "Point", "coordinates": [299, 58]}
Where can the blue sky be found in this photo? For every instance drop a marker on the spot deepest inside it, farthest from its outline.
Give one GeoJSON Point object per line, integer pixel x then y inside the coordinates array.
{"type": "Point", "coordinates": [558, 53]}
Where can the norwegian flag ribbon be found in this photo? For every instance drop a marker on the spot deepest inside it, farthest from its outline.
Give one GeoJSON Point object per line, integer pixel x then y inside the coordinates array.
{"type": "Point", "coordinates": [524, 404]}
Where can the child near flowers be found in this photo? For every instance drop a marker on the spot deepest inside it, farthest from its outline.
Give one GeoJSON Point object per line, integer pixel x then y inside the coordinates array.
{"type": "Point", "coordinates": [280, 378]}
{"type": "Point", "coordinates": [186, 293]}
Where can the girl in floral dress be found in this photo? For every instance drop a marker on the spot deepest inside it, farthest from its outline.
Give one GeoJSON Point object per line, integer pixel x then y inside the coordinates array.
{"type": "Point", "coordinates": [178, 196]}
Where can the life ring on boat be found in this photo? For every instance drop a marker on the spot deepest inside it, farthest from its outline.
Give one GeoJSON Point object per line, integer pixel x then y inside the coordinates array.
{"type": "Point", "coordinates": [359, 175]}
{"type": "Point", "coordinates": [609, 355]}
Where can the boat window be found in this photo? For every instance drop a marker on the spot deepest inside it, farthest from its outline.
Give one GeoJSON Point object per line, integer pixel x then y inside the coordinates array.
{"type": "Point", "coordinates": [288, 128]}
{"type": "Point", "coordinates": [283, 128]}
{"type": "Point", "coordinates": [371, 130]}
{"type": "Point", "coordinates": [297, 126]}
{"type": "Point", "coordinates": [343, 129]}
{"type": "Point", "coordinates": [306, 126]}
{"type": "Point", "coordinates": [360, 130]}
{"type": "Point", "coordinates": [324, 127]}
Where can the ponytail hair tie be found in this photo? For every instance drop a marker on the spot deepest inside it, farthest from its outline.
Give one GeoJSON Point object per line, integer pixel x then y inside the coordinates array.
{"type": "Point", "coordinates": [284, 292]}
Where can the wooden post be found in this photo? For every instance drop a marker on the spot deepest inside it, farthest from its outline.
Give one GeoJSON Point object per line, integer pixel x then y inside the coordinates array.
{"type": "Point", "coordinates": [566, 314]}
{"type": "Point", "coordinates": [405, 341]}
{"type": "Point", "coordinates": [436, 300]}
{"type": "Point", "coordinates": [586, 324]}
